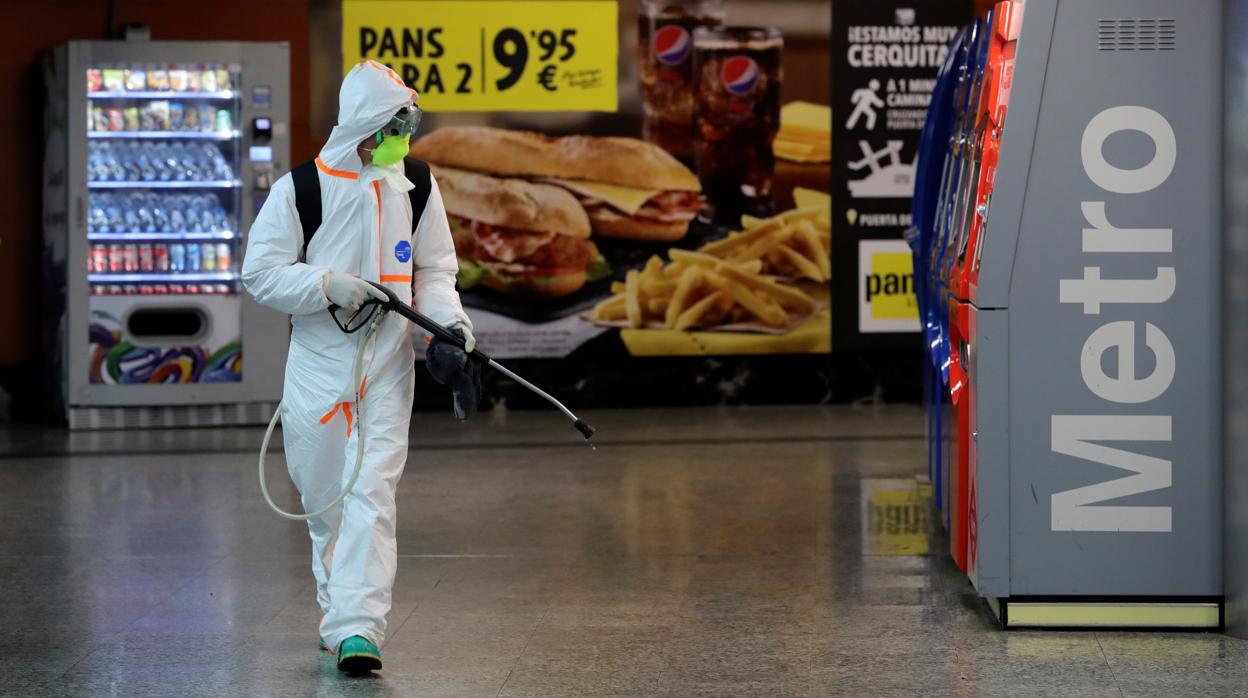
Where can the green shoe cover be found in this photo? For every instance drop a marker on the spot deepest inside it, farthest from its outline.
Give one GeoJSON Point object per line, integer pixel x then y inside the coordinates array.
{"type": "Point", "coordinates": [357, 655]}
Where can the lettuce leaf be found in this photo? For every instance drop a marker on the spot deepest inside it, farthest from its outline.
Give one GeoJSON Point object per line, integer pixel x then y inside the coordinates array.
{"type": "Point", "coordinates": [469, 274]}
{"type": "Point", "coordinates": [600, 269]}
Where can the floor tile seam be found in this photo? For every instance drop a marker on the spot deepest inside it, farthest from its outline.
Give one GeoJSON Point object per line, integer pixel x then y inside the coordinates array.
{"type": "Point", "coordinates": [1112, 673]}
{"type": "Point", "coordinates": [416, 607]}
{"type": "Point", "coordinates": [518, 445]}
{"type": "Point", "coordinates": [527, 641]}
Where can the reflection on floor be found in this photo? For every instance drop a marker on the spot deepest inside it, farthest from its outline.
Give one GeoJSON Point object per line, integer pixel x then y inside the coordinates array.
{"type": "Point", "coordinates": [761, 552]}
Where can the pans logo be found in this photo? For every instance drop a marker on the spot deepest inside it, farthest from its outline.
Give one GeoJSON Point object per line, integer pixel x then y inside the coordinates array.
{"type": "Point", "coordinates": [1077, 436]}
{"type": "Point", "coordinates": [886, 300]}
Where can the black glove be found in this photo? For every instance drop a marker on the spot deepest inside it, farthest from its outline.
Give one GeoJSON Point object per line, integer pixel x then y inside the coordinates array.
{"type": "Point", "coordinates": [448, 363]}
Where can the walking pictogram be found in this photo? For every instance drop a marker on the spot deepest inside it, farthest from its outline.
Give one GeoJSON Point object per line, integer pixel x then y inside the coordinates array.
{"type": "Point", "coordinates": [866, 101]}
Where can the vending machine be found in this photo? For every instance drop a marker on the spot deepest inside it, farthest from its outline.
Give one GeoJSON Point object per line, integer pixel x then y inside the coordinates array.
{"type": "Point", "coordinates": [158, 156]}
{"type": "Point", "coordinates": [1082, 240]}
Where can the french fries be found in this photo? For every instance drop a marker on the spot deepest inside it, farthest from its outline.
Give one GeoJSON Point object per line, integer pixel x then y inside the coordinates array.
{"type": "Point", "coordinates": [697, 291]}
{"type": "Point", "coordinates": [796, 244]}
{"type": "Point", "coordinates": [732, 280]}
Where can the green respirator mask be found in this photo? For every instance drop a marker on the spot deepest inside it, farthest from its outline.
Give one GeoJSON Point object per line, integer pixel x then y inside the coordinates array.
{"type": "Point", "coordinates": [394, 139]}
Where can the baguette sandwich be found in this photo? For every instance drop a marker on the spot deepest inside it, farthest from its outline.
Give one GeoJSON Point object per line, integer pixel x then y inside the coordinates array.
{"type": "Point", "coordinates": [516, 236]}
{"type": "Point", "coordinates": [629, 188]}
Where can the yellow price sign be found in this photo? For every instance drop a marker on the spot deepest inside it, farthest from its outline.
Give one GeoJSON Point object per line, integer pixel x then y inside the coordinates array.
{"type": "Point", "coordinates": [491, 55]}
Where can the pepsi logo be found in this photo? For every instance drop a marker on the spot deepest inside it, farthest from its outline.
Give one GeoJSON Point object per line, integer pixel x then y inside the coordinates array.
{"type": "Point", "coordinates": [740, 75]}
{"type": "Point", "coordinates": [672, 44]}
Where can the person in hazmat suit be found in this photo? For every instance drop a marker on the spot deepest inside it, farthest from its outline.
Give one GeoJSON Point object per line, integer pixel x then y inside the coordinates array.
{"type": "Point", "coordinates": [367, 233]}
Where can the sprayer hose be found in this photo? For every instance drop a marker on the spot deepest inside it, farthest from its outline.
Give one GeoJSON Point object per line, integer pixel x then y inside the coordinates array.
{"type": "Point", "coordinates": [358, 374]}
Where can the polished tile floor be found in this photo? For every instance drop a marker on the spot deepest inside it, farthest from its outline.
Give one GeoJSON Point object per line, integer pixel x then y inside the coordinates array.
{"type": "Point", "coordinates": [761, 552]}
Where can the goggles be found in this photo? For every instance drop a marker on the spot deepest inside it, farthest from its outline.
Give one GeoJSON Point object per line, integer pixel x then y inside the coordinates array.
{"type": "Point", "coordinates": [403, 124]}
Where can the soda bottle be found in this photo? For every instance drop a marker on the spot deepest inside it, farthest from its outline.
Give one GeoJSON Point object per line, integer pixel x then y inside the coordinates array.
{"type": "Point", "coordinates": [116, 259]}
{"type": "Point", "coordinates": [192, 257]}
{"type": "Point", "coordinates": [738, 116]}
{"type": "Point", "coordinates": [665, 49]}
{"type": "Point", "coordinates": [131, 257]}
{"type": "Point", "coordinates": [208, 257]}
{"type": "Point", "coordinates": [177, 257]}
{"type": "Point", "coordinates": [223, 256]}
{"type": "Point", "coordinates": [147, 261]}
{"type": "Point", "coordinates": [99, 259]}
{"type": "Point", "coordinates": [160, 253]}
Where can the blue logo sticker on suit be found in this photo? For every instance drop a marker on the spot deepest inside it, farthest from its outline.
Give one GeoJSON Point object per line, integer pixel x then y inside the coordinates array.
{"type": "Point", "coordinates": [403, 251]}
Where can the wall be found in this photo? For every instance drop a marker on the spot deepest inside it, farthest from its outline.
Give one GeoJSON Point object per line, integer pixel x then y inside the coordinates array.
{"type": "Point", "coordinates": [44, 25]}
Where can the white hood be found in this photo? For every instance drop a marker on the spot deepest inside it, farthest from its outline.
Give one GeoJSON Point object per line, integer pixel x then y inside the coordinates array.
{"type": "Point", "coordinates": [371, 93]}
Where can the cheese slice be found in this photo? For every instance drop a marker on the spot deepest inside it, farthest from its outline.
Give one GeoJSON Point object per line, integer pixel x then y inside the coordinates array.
{"type": "Point", "coordinates": [627, 199]}
{"type": "Point", "coordinates": [804, 116]}
{"type": "Point", "coordinates": [809, 198]}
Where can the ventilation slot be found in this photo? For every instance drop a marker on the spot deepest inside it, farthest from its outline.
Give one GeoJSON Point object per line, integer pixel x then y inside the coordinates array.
{"type": "Point", "coordinates": [1135, 34]}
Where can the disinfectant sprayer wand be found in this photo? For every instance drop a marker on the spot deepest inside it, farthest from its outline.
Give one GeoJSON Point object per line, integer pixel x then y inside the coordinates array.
{"type": "Point", "coordinates": [437, 330]}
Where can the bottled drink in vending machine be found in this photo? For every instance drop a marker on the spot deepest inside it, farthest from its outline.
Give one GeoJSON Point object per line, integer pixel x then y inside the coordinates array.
{"type": "Point", "coordinates": [131, 257]}
{"type": "Point", "coordinates": [147, 261]}
{"type": "Point", "coordinates": [224, 263]}
{"type": "Point", "coordinates": [116, 259]}
{"type": "Point", "coordinates": [208, 257]}
{"type": "Point", "coordinates": [99, 259]}
{"type": "Point", "coordinates": [160, 253]}
{"type": "Point", "coordinates": [177, 257]}
{"type": "Point", "coordinates": [192, 257]}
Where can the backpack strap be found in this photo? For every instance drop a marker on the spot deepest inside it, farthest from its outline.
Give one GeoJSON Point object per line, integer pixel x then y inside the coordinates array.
{"type": "Point", "coordinates": [308, 195]}
{"type": "Point", "coordinates": [417, 172]}
{"type": "Point", "coordinates": [307, 201]}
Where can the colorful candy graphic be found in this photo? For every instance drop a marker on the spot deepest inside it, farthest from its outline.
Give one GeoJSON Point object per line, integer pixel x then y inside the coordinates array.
{"type": "Point", "coordinates": [115, 361]}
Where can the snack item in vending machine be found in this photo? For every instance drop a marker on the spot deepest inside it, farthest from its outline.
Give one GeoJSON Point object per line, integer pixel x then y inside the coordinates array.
{"type": "Point", "coordinates": [192, 81]}
{"type": "Point", "coordinates": [158, 80]}
{"type": "Point", "coordinates": [192, 257]}
{"type": "Point", "coordinates": [99, 120]}
{"type": "Point", "coordinates": [192, 289]}
{"type": "Point", "coordinates": [160, 289]}
{"type": "Point", "coordinates": [97, 289]}
{"type": "Point", "coordinates": [130, 290]}
{"type": "Point", "coordinates": [177, 80]}
{"type": "Point", "coordinates": [223, 80]}
{"type": "Point", "coordinates": [177, 122]}
{"type": "Point", "coordinates": [190, 119]}
{"type": "Point", "coordinates": [208, 257]}
{"type": "Point", "coordinates": [146, 290]}
{"type": "Point", "coordinates": [131, 115]}
{"type": "Point", "coordinates": [177, 257]}
{"type": "Point", "coordinates": [115, 290]}
{"type": "Point", "coordinates": [223, 289]}
{"type": "Point", "coordinates": [114, 80]}
{"type": "Point", "coordinates": [160, 253]}
{"type": "Point", "coordinates": [116, 120]}
{"type": "Point", "coordinates": [136, 80]}
{"type": "Point", "coordinates": [95, 80]}
{"type": "Point", "coordinates": [147, 261]}
{"type": "Point", "coordinates": [208, 81]}
{"type": "Point", "coordinates": [160, 114]}
{"type": "Point", "coordinates": [207, 117]}
{"type": "Point", "coordinates": [223, 256]}
{"type": "Point", "coordinates": [116, 259]}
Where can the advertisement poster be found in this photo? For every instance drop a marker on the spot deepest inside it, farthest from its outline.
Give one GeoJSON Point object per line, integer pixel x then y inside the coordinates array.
{"type": "Point", "coordinates": [885, 59]}
{"type": "Point", "coordinates": [653, 182]}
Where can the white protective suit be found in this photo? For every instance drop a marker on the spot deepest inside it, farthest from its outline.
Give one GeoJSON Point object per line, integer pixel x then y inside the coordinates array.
{"type": "Point", "coordinates": [366, 231]}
